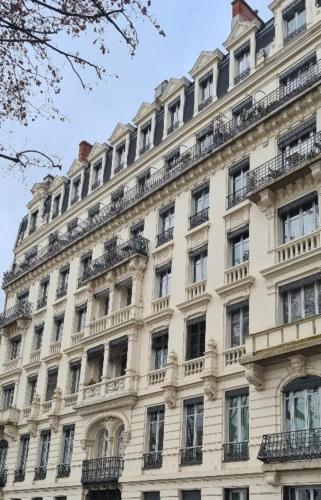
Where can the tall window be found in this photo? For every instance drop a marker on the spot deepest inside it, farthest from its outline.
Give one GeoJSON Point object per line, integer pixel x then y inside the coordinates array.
{"type": "Point", "coordinates": [84, 266]}
{"type": "Point", "coordinates": [44, 449]}
{"type": "Point", "coordinates": [238, 182]}
{"type": "Point", "coordinates": [297, 142]}
{"type": "Point", "coordinates": [166, 224]}
{"type": "Point", "coordinates": [96, 175]}
{"type": "Point", "coordinates": [238, 323]}
{"type": "Point", "coordinates": [63, 282]}
{"type": "Point", "coordinates": [68, 435]}
{"type": "Point", "coordinates": [137, 229]}
{"type": "Point", "coordinates": [58, 327]}
{"type": "Point", "coordinates": [142, 179]}
{"type": "Point", "coordinates": [293, 77]}
{"type": "Point", "coordinates": [14, 347]}
{"type": "Point", "coordinates": [22, 456]}
{"type": "Point", "coordinates": [173, 112]}
{"type": "Point", "coordinates": [155, 436]}
{"type": "Point", "coordinates": [146, 138]}
{"type": "Point", "coordinates": [301, 299]}
{"type": "Point", "coordinates": [37, 337]}
{"type": "Point", "coordinates": [171, 159]}
{"type": "Point", "coordinates": [159, 349]}
{"type": "Point", "coordinates": [74, 377]}
{"type": "Point", "coordinates": [206, 88]}
{"type": "Point", "coordinates": [200, 203]}
{"type": "Point", "coordinates": [237, 403]}
{"type": "Point", "coordinates": [236, 494]}
{"type": "Point", "coordinates": [56, 206]}
{"type": "Point", "coordinates": [119, 441]}
{"type": "Point", "coordinates": [239, 246]}
{"type": "Point", "coordinates": [31, 389]}
{"type": "Point", "coordinates": [299, 218]}
{"type": "Point", "coordinates": [294, 19]}
{"type": "Point", "coordinates": [240, 111]}
{"type": "Point", "coordinates": [81, 313]}
{"type": "Point", "coordinates": [52, 378]}
{"type": "Point", "coordinates": [302, 492]}
{"type": "Point", "coordinates": [118, 350]}
{"type": "Point", "coordinates": [195, 338]}
{"type": "Point", "coordinates": [43, 293]}
{"type": "Point", "coordinates": [193, 431]}
{"type": "Point", "coordinates": [242, 62]}
{"type": "Point", "coordinates": [102, 444]}
{"type": "Point", "coordinates": [120, 158]}
{"type": "Point", "coordinates": [303, 404]}
{"type": "Point", "coordinates": [7, 396]}
{"type": "Point", "coordinates": [33, 221]}
{"type": "Point", "coordinates": [3, 454]}
{"type": "Point", "coordinates": [163, 279]}
{"type": "Point", "coordinates": [75, 190]}
{"type": "Point", "coordinates": [198, 264]}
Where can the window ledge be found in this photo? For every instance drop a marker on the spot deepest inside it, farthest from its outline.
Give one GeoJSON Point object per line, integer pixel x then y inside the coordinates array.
{"type": "Point", "coordinates": [235, 208]}
{"type": "Point", "coordinates": [195, 229]}
{"type": "Point", "coordinates": [166, 245]}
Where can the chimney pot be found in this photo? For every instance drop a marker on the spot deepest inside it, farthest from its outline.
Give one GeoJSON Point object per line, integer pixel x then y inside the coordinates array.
{"type": "Point", "coordinates": [84, 150]}
{"type": "Point", "coordinates": [241, 9]}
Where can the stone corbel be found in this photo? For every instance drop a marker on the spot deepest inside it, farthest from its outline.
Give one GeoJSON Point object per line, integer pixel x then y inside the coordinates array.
{"type": "Point", "coordinates": [273, 478]}
{"type": "Point", "coordinates": [210, 387]}
{"type": "Point", "coordinates": [267, 199]}
{"type": "Point", "coordinates": [55, 410]}
{"type": "Point", "coordinates": [316, 171]}
{"type": "Point", "coordinates": [298, 365]}
{"type": "Point", "coordinates": [170, 383]}
{"type": "Point", "coordinates": [34, 414]}
{"type": "Point", "coordinates": [170, 396]}
{"type": "Point", "coordinates": [254, 374]}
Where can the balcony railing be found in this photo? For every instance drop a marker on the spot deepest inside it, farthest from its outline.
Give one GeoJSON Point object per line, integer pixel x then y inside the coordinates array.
{"type": "Point", "coordinates": [95, 185]}
{"type": "Point", "coordinates": [22, 310]}
{"type": "Point", "coordinates": [193, 367]}
{"type": "Point", "coordinates": [235, 452]}
{"type": "Point", "coordinates": [19, 475]}
{"type": "Point", "coordinates": [237, 197]}
{"type": "Point", "coordinates": [164, 237]}
{"type": "Point", "coordinates": [297, 32]}
{"type": "Point", "coordinates": [61, 292]}
{"type": "Point", "coordinates": [173, 127]}
{"type": "Point", "coordinates": [137, 245]}
{"type": "Point", "coordinates": [63, 470]}
{"type": "Point", "coordinates": [222, 133]}
{"type": "Point", "coordinates": [42, 302]}
{"type": "Point", "coordinates": [242, 76]}
{"type": "Point", "coordinates": [198, 218]}
{"type": "Point", "coordinates": [290, 446]}
{"type": "Point", "coordinates": [3, 478]}
{"type": "Point", "coordinates": [157, 376]}
{"type": "Point", "coordinates": [283, 163]}
{"type": "Point", "coordinates": [40, 473]}
{"type": "Point", "coordinates": [191, 456]}
{"type": "Point", "coordinates": [101, 470]}
{"type": "Point", "coordinates": [153, 460]}
{"type": "Point", "coordinates": [205, 103]}
{"type": "Point", "coordinates": [232, 356]}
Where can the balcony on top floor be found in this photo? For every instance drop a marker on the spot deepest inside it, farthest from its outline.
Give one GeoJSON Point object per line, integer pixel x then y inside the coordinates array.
{"type": "Point", "coordinates": [115, 256]}
{"type": "Point", "coordinates": [102, 472]}
{"type": "Point", "coordinates": [290, 446]}
{"type": "Point", "coordinates": [21, 311]}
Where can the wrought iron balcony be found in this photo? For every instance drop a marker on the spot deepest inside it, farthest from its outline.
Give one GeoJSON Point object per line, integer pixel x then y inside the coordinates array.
{"type": "Point", "coordinates": [164, 236]}
{"type": "Point", "coordinates": [242, 76]}
{"type": "Point", "coordinates": [235, 452]}
{"type": "Point", "coordinates": [19, 475]}
{"type": "Point", "coordinates": [63, 470]}
{"type": "Point", "coordinates": [118, 168]}
{"type": "Point", "coordinates": [61, 292]}
{"type": "Point", "coordinates": [101, 470]}
{"type": "Point", "coordinates": [135, 246]}
{"type": "Point", "coordinates": [205, 103]}
{"type": "Point", "coordinates": [191, 456]}
{"type": "Point", "coordinates": [40, 473]}
{"type": "Point", "coordinates": [283, 164]}
{"type": "Point", "coordinates": [290, 446]}
{"type": "Point", "coordinates": [295, 33]}
{"type": "Point", "coordinates": [198, 218]}
{"type": "Point", "coordinates": [237, 197]}
{"type": "Point", "coordinates": [42, 302]}
{"type": "Point", "coordinates": [22, 310]}
{"type": "Point", "coordinates": [3, 478]}
{"type": "Point", "coordinates": [95, 185]}
{"type": "Point", "coordinates": [222, 133]}
{"type": "Point", "coordinates": [144, 148]}
{"type": "Point", "coordinates": [153, 460]}
{"type": "Point", "coordinates": [173, 127]}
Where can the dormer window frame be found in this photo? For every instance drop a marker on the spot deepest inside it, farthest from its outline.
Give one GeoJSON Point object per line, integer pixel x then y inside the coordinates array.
{"type": "Point", "coordinates": [294, 12]}
{"type": "Point", "coordinates": [56, 207]}
{"type": "Point", "coordinates": [96, 174]}
{"type": "Point", "coordinates": [33, 220]}
{"type": "Point", "coordinates": [75, 195]}
{"type": "Point", "coordinates": [242, 62]}
{"type": "Point", "coordinates": [146, 132]}
{"type": "Point", "coordinates": [120, 161]}
{"type": "Point", "coordinates": [206, 81]}
{"type": "Point", "coordinates": [174, 114]}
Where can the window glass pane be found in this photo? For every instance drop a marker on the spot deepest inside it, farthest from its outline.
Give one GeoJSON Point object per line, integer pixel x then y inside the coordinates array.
{"type": "Point", "coordinates": [299, 413]}
{"type": "Point", "coordinates": [309, 300]}
{"type": "Point", "coordinates": [233, 420]}
{"type": "Point", "coordinates": [314, 410]}
{"type": "Point", "coordinates": [295, 304]}
{"type": "Point", "coordinates": [199, 430]}
{"type": "Point", "coordinates": [189, 431]}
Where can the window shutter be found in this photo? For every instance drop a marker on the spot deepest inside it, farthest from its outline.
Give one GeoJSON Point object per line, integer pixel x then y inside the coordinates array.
{"type": "Point", "coordinates": [297, 132]}
{"type": "Point", "coordinates": [95, 350]}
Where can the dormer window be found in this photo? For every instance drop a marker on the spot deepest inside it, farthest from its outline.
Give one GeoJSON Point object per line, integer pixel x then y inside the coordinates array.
{"type": "Point", "coordinates": [206, 90]}
{"type": "Point", "coordinates": [173, 111]}
{"type": "Point", "coordinates": [33, 221]}
{"type": "Point", "coordinates": [242, 63]}
{"type": "Point", "coordinates": [146, 138]}
{"type": "Point", "coordinates": [294, 17]}
{"type": "Point", "coordinates": [120, 158]}
{"type": "Point", "coordinates": [56, 206]}
{"type": "Point", "coordinates": [96, 176]}
{"type": "Point", "coordinates": [75, 191]}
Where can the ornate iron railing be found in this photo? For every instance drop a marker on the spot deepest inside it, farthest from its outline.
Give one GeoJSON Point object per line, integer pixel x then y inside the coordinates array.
{"type": "Point", "coordinates": [198, 218]}
{"type": "Point", "coordinates": [164, 237]}
{"type": "Point", "coordinates": [173, 127]}
{"type": "Point", "coordinates": [136, 245]}
{"type": "Point", "coordinates": [191, 456]}
{"type": "Point", "coordinates": [95, 185]}
{"type": "Point", "coordinates": [63, 470]}
{"type": "Point", "coordinates": [301, 29]}
{"type": "Point", "coordinates": [61, 292]}
{"type": "Point", "coordinates": [19, 475]}
{"type": "Point", "coordinates": [40, 473]}
{"type": "Point", "coordinates": [235, 452]}
{"type": "Point", "coordinates": [153, 460]}
{"type": "Point", "coordinates": [20, 310]}
{"type": "Point", "coordinates": [242, 76]}
{"type": "Point", "coordinates": [3, 478]}
{"type": "Point", "coordinates": [42, 302]}
{"type": "Point", "coordinates": [222, 132]}
{"type": "Point", "coordinates": [284, 163]}
{"type": "Point", "coordinates": [237, 197]}
{"type": "Point", "coordinates": [290, 446]}
{"type": "Point", "coordinates": [101, 470]}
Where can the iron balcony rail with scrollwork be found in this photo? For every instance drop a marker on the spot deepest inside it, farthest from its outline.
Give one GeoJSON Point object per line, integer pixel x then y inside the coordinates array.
{"type": "Point", "coordinates": [235, 452]}
{"type": "Point", "coordinates": [222, 132]}
{"type": "Point", "coordinates": [164, 237]}
{"type": "Point", "coordinates": [198, 218]}
{"type": "Point", "coordinates": [61, 292]}
{"type": "Point", "coordinates": [20, 311]}
{"type": "Point", "coordinates": [283, 163]}
{"type": "Point", "coordinates": [135, 246]}
{"type": "Point", "coordinates": [192, 456]}
{"type": "Point", "coordinates": [297, 32]}
{"type": "Point", "coordinates": [153, 460]}
{"type": "Point", "coordinates": [19, 475]}
{"type": "Point", "coordinates": [42, 302]}
{"type": "Point", "coordinates": [101, 470]}
{"type": "Point", "coordinates": [40, 473]}
{"type": "Point", "coordinates": [63, 470]}
{"type": "Point", "coordinates": [290, 446]}
{"type": "Point", "coordinates": [242, 76]}
{"type": "Point", "coordinates": [237, 197]}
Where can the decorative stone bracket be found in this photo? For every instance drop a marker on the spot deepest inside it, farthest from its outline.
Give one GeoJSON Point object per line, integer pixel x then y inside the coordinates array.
{"type": "Point", "coordinates": [170, 383]}
{"type": "Point", "coordinates": [210, 369]}
{"type": "Point", "coordinates": [34, 415]}
{"type": "Point", "coordinates": [254, 374]}
{"type": "Point", "coordinates": [55, 410]}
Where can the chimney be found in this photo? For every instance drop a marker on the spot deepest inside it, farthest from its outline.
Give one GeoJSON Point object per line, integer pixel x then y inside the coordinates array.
{"type": "Point", "coordinates": [84, 150]}
{"type": "Point", "coordinates": [243, 12]}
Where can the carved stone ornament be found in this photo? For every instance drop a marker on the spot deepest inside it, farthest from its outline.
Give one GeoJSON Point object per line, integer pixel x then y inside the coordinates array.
{"type": "Point", "coordinates": [210, 388]}
{"type": "Point", "coordinates": [273, 478]}
{"type": "Point", "coordinates": [254, 375]}
{"type": "Point", "coordinates": [32, 427]}
{"type": "Point", "coordinates": [298, 365]}
{"type": "Point", "coordinates": [170, 397]}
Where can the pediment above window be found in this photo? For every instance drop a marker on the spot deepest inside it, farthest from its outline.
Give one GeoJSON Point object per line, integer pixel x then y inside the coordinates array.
{"type": "Point", "coordinates": [240, 31]}
{"type": "Point", "coordinates": [75, 168]}
{"type": "Point", "coordinates": [204, 60]}
{"type": "Point", "coordinates": [173, 86]}
{"type": "Point", "coordinates": [57, 183]}
{"type": "Point", "coordinates": [120, 132]}
{"type": "Point", "coordinates": [97, 150]}
{"type": "Point", "coordinates": [145, 110]}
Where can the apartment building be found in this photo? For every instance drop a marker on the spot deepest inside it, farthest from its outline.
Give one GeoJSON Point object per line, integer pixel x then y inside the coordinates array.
{"type": "Point", "coordinates": [161, 337]}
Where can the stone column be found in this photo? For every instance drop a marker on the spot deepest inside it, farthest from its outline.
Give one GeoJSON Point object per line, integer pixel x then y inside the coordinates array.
{"type": "Point", "coordinates": [82, 374]}
{"type": "Point", "coordinates": [131, 360]}
{"type": "Point", "coordinates": [105, 364]}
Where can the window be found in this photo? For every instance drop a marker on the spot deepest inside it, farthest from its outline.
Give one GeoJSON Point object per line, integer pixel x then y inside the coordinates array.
{"type": "Point", "coordinates": [204, 140]}
{"type": "Point", "coordinates": [173, 112]}
{"type": "Point", "coordinates": [155, 437]}
{"type": "Point", "coordinates": [191, 495]}
{"type": "Point", "coordinates": [299, 218]}
{"type": "Point", "coordinates": [96, 181]}
{"type": "Point", "coordinates": [238, 322]}
{"type": "Point", "coordinates": [72, 226]}
{"type": "Point", "coordinates": [51, 383]}
{"type": "Point", "coordinates": [200, 203]}
{"type": "Point", "coordinates": [14, 347]}
{"type": "Point", "coordinates": [171, 159]}
{"type": "Point", "coordinates": [58, 327]}
{"type": "Point", "coordinates": [118, 357]}
{"type": "Point", "coordinates": [236, 494]}
{"type": "Point", "coordinates": [94, 366]}
{"type": "Point", "coordinates": [195, 338]}
{"type": "Point", "coordinates": [242, 62]}
{"type": "Point", "coordinates": [151, 495]}
{"type": "Point", "coordinates": [206, 88]}
{"type": "Point", "coordinates": [23, 297]}
{"type": "Point", "coordinates": [117, 197]}
{"type": "Point", "coordinates": [7, 396]}
{"type": "Point", "coordinates": [56, 206]}
{"type": "Point", "coordinates": [120, 158]}
{"type": "Point", "coordinates": [238, 182]}
{"type": "Point", "coordinates": [193, 432]}
{"type": "Point", "coordinates": [63, 282]}
{"type": "Point", "coordinates": [146, 138]}
{"type": "Point", "coordinates": [159, 349]}
{"type": "Point", "coordinates": [31, 389]}
{"type": "Point", "coordinates": [137, 229]}
{"type": "Point", "coordinates": [37, 337]}
{"type": "Point", "coordinates": [43, 455]}
{"type": "Point", "coordinates": [301, 299]}
{"type": "Point", "coordinates": [294, 17]}
{"type": "Point", "coordinates": [302, 492]}
{"type": "Point", "coordinates": [143, 178]}
{"type": "Point", "coordinates": [81, 313]}
{"type": "Point", "coordinates": [74, 377]}
{"type": "Point", "coordinates": [68, 434]}
{"type": "Point", "coordinates": [198, 264]}
{"type": "Point", "coordinates": [296, 143]}
{"type": "Point", "coordinates": [240, 112]}
{"type": "Point", "coordinates": [43, 293]}
{"type": "Point", "coordinates": [166, 223]}
{"type": "Point", "coordinates": [302, 403]}
{"type": "Point", "coordinates": [102, 444]}
{"type": "Point", "coordinates": [239, 246]}
{"type": "Point", "coordinates": [163, 280]}
{"type": "Point", "coordinates": [22, 457]}
{"type": "Point", "coordinates": [3, 455]}
{"type": "Point", "coordinates": [75, 190]}
{"type": "Point", "coordinates": [298, 74]}
{"type": "Point", "coordinates": [33, 221]}
{"type": "Point", "coordinates": [237, 407]}
{"type": "Point", "coordinates": [84, 266]}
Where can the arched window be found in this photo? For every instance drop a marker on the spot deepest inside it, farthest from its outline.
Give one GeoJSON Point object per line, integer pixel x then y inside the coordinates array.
{"type": "Point", "coordinates": [102, 444]}
{"type": "Point", "coordinates": [3, 454]}
{"type": "Point", "coordinates": [302, 403]}
{"type": "Point", "coordinates": [119, 441]}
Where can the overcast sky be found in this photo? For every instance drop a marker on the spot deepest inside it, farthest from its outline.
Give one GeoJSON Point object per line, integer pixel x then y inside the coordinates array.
{"type": "Point", "coordinates": [190, 25]}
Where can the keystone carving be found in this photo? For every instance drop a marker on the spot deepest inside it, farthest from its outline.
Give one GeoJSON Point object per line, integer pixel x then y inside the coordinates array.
{"type": "Point", "coordinates": [210, 388]}
{"type": "Point", "coordinates": [170, 397]}
{"type": "Point", "coordinates": [298, 365]}
{"type": "Point", "coordinates": [254, 375]}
